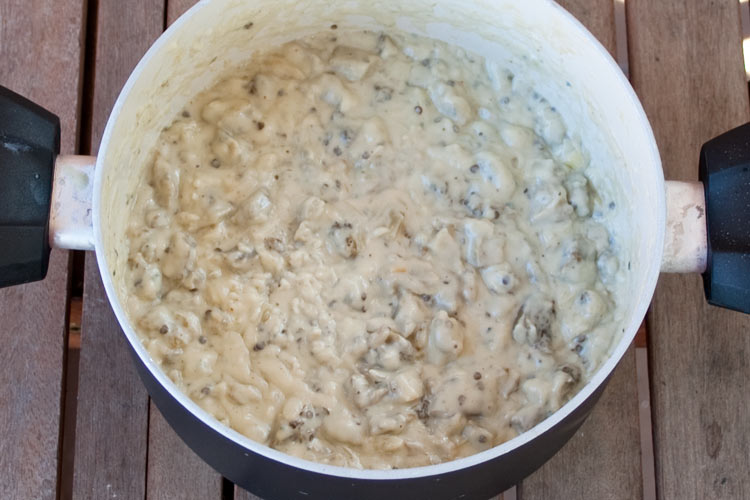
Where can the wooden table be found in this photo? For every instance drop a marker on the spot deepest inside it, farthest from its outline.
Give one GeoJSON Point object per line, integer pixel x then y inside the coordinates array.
{"type": "Point", "coordinates": [76, 422]}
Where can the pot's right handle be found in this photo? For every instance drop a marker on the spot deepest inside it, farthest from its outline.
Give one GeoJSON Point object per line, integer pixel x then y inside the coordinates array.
{"type": "Point", "coordinates": [725, 173]}
{"type": "Point", "coordinates": [708, 222]}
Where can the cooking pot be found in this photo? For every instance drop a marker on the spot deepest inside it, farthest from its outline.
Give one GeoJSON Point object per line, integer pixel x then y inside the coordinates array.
{"type": "Point", "coordinates": [83, 203]}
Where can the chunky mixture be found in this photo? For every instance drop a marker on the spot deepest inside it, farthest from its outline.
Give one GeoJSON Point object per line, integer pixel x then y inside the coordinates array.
{"type": "Point", "coordinates": [374, 251]}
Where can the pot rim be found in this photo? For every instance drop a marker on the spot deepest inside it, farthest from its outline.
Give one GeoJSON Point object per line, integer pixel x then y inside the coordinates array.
{"type": "Point", "coordinates": [646, 291]}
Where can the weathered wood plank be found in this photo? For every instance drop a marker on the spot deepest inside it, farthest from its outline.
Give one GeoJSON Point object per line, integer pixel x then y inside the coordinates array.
{"type": "Point", "coordinates": [175, 8]}
{"type": "Point", "coordinates": [240, 494]}
{"type": "Point", "coordinates": [112, 423]}
{"type": "Point", "coordinates": [124, 32]}
{"type": "Point", "coordinates": [598, 16]}
{"type": "Point", "coordinates": [41, 54]}
{"type": "Point", "coordinates": [112, 413]}
{"type": "Point", "coordinates": [598, 463]}
{"type": "Point", "coordinates": [686, 65]}
{"type": "Point", "coordinates": [174, 471]}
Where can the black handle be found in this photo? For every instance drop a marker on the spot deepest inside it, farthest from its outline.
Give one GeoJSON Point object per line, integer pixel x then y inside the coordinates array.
{"type": "Point", "coordinates": [29, 144]}
{"type": "Point", "coordinates": [725, 172]}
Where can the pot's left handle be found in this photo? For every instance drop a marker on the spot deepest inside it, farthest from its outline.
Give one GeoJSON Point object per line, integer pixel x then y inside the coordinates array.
{"type": "Point", "coordinates": [70, 218]}
{"type": "Point", "coordinates": [31, 185]}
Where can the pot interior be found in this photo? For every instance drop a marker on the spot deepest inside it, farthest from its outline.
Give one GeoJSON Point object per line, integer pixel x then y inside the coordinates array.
{"type": "Point", "coordinates": [537, 40]}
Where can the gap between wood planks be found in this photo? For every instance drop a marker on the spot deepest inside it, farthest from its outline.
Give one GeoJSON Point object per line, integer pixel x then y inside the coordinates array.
{"type": "Point", "coordinates": [745, 21]}
{"type": "Point", "coordinates": [75, 304]}
{"type": "Point", "coordinates": [75, 313]}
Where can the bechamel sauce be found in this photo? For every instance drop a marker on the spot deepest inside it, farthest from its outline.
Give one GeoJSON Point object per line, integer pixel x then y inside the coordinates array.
{"type": "Point", "coordinates": [373, 250]}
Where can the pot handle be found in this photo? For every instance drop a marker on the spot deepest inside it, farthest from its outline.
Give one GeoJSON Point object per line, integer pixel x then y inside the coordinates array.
{"type": "Point", "coordinates": [725, 173]}
{"type": "Point", "coordinates": [685, 240]}
{"type": "Point", "coordinates": [70, 219]}
{"type": "Point", "coordinates": [708, 222]}
{"type": "Point", "coordinates": [29, 147]}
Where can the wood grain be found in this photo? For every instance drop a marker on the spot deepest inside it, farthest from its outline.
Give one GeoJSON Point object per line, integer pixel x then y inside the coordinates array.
{"type": "Point", "coordinates": [175, 8]}
{"type": "Point", "coordinates": [124, 32]}
{"type": "Point", "coordinates": [174, 471]}
{"type": "Point", "coordinates": [41, 46]}
{"type": "Point", "coordinates": [240, 494]}
{"type": "Point", "coordinates": [595, 451]}
{"type": "Point", "coordinates": [41, 54]}
{"type": "Point", "coordinates": [112, 414]}
{"type": "Point", "coordinates": [112, 422]}
{"type": "Point", "coordinates": [686, 65]}
{"type": "Point", "coordinates": [598, 16]}
{"type": "Point", "coordinates": [33, 337]}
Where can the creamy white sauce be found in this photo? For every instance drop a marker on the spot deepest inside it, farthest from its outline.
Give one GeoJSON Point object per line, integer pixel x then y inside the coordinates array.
{"type": "Point", "coordinates": [373, 251]}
